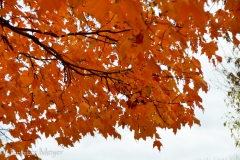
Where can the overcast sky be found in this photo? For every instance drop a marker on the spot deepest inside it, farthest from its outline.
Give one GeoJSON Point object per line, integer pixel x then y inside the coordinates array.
{"type": "Point", "coordinates": [209, 140]}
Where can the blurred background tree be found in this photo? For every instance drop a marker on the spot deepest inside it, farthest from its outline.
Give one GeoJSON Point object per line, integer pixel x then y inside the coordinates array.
{"type": "Point", "coordinates": [230, 70]}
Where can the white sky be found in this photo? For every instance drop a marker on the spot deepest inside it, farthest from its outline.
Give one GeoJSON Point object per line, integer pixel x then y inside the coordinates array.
{"type": "Point", "coordinates": [209, 140]}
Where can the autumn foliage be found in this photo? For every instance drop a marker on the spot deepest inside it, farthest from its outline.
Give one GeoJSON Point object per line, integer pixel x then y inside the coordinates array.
{"type": "Point", "coordinates": [69, 68]}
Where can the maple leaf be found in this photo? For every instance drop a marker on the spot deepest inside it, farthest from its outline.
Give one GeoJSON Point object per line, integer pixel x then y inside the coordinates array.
{"type": "Point", "coordinates": [157, 144]}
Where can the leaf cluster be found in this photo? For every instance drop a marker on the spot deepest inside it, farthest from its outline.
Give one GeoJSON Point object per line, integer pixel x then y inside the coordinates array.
{"type": "Point", "coordinates": [77, 67]}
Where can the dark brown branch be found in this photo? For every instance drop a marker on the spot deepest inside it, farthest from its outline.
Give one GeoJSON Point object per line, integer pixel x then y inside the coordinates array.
{"type": "Point", "coordinates": [53, 52]}
{"type": "Point", "coordinates": [70, 34]}
{"type": "Point", "coordinates": [32, 57]}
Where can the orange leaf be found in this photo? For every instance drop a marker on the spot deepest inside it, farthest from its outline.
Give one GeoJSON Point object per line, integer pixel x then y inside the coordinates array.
{"type": "Point", "coordinates": [157, 144]}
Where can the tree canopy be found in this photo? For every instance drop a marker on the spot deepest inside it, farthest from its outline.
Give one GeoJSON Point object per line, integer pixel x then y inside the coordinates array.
{"type": "Point", "coordinates": [69, 68]}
